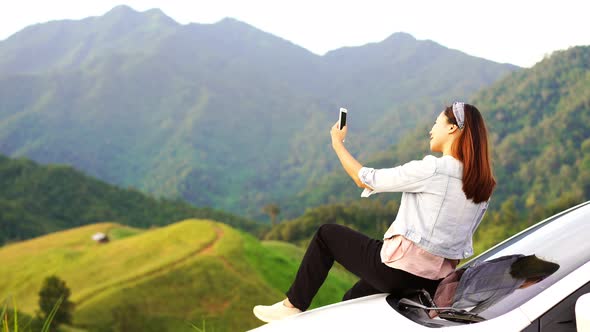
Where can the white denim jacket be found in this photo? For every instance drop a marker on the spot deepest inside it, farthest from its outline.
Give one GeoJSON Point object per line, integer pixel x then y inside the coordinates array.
{"type": "Point", "coordinates": [434, 212]}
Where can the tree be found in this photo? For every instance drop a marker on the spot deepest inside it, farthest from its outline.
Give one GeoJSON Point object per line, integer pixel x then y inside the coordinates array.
{"type": "Point", "coordinates": [273, 211]}
{"type": "Point", "coordinates": [52, 290]}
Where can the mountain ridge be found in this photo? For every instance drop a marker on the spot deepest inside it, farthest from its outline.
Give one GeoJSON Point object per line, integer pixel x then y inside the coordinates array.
{"type": "Point", "coordinates": [222, 115]}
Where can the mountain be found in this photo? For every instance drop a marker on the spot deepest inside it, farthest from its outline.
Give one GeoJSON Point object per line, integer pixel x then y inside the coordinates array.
{"type": "Point", "coordinates": [539, 125]}
{"type": "Point", "coordinates": [38, 199]}
{"type": "Point", "coordinates": [69, 44]}
{"type": "Point", "coordinates": [163, 279]}
{"type": "Point", "coordinates": [222, 115]}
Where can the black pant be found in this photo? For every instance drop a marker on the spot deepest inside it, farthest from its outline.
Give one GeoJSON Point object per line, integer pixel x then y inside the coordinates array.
{"type": "Point", "coordinates": [360, 255]}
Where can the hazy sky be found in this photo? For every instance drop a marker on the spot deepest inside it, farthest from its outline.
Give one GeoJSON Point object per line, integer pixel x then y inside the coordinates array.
{"type": "Point", "coordinates": [517, 32]}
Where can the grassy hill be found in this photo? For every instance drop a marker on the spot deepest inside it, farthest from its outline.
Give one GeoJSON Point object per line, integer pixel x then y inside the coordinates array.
{"type": "Point", "coordinates": [159, 279]}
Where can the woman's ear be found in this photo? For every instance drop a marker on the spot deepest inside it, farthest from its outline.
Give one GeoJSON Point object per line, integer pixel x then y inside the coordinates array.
{"type": "Point", "coordinates": [452, 129]}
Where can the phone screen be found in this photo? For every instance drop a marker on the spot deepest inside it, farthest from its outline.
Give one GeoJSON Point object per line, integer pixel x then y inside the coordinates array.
{"type": "Point", "coordinates": [342, 119]}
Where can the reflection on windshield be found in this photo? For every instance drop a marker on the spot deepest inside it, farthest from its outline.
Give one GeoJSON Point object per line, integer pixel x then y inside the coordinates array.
{"type": "Point", "coordinates": [480, 285]}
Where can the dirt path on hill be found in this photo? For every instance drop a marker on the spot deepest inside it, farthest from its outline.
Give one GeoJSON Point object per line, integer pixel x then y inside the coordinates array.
{"type": "Point", "coordinates": [207, 250]}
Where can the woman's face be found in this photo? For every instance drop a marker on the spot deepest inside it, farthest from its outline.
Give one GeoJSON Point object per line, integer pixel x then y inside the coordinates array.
{"type": "Point", "coordinates": [440, 133]}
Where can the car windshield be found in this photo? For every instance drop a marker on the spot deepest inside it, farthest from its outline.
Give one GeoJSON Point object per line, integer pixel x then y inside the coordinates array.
{"type": "Point", "coordinates": [561, 241]}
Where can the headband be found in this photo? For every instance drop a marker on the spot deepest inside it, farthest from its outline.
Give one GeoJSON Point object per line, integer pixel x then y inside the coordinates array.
{"type": "Point", "coordinates": [459, 112]}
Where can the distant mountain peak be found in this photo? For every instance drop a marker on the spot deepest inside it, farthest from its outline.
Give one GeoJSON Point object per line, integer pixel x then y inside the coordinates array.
{"type": "Point", "coordinates": [397, 41]}
{"type": "Point", "coordinates": [401, 36]}
{"type": "Point", "coordinates": [400, 39]}
{"type": "Point", "coordinates": [121, 10]}
{"type": "Point", "coordinates": [158, 14]}
{"type": "Point", "coordinates": [227, 20]}
{"type": "Point", "coordinates": [232, 22]}
{"type": "Point", "coordinates": [155, 12]}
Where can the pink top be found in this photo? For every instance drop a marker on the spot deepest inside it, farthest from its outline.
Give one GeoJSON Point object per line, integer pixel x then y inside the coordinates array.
{"type": "Point", "coordinates": [403, 254]}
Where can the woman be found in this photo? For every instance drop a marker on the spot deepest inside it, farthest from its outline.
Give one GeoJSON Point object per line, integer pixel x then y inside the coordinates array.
{"type": "Point", "coordinates": [443, 202]}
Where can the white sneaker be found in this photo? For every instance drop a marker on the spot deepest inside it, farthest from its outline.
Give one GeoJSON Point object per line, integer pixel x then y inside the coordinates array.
{"type": "Point", "coordinates": [277, 311]}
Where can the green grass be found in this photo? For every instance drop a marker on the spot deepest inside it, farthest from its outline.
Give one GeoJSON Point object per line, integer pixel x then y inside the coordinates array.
{"type": "Point", "coordinates": [89, 267]}
{"type": "Point", "coordinates": [278, 264]}
{"type": "Point", "coordinates": [164, 279]}
{"type": "Point", "coordinates": [118, 233]}
{"type": "Point", "coordinates": [22, 322]}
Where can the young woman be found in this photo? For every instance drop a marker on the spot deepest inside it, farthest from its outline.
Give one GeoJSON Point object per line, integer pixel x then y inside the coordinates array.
{"type": "Point", "coordinates": [443, 202]}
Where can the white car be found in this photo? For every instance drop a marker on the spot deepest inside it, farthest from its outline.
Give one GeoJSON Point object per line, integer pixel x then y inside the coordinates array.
{"type": "Point", "coordinates": [548, 304]}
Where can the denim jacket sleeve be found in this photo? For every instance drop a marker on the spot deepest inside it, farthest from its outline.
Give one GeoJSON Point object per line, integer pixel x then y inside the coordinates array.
{"type": "Point", "coordinates": [409, 177]}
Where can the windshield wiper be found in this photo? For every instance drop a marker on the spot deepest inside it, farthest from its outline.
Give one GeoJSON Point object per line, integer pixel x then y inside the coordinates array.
{"type": "Point", "coordinates": [460, 315]}
{"type": "Point", "coordinates": [448, 313]}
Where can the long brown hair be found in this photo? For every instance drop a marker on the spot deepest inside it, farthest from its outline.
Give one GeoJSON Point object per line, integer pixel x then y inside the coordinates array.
{"type": "Point", "coordinates": [472, 149]}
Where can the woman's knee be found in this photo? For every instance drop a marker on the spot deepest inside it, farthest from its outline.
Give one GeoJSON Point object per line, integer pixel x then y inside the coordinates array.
{"type": "Point", "coordinates": [326, 230]}
{"type": "Point", "coordinates": [326, 227]}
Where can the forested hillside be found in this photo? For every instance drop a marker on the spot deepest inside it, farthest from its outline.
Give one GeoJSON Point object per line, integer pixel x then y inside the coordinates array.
{"type": "Point", "coordinates": [371, 217]}
{"type": "Point", "coordinates": [221, 115]}
{"type": "Point", "coordinates": [539, 124]}
{"type": "Point", "coordinates": [38, 199]}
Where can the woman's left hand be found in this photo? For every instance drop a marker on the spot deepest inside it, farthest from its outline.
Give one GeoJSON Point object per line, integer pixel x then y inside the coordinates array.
{"type": "Point", "coordinates": [337, 134]}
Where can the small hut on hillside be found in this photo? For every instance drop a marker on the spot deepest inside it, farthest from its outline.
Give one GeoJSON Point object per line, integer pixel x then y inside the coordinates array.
{"type": "Point", "coordinates": [100, 237]}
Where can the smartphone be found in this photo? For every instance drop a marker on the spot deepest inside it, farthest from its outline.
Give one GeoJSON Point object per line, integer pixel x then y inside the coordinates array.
{"type": "Point", "coordinates": [343, 113]}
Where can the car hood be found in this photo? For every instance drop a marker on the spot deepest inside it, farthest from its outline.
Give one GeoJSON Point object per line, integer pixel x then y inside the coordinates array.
{"type": "Point", "coordinates": [357, 314]}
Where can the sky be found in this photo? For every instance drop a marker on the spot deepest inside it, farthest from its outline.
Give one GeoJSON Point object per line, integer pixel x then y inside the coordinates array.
{"type": "Point", "coordinates": [519, 32]}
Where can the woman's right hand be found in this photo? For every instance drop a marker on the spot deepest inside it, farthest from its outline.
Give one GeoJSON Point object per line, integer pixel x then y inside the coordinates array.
{"type": "Point", "coordinates": [338, 135]}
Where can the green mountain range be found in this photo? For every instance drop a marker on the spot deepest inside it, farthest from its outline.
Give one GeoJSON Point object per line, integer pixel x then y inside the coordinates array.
{"type": "Point", "coordinates": [221, 115]}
